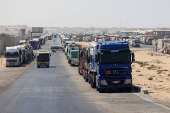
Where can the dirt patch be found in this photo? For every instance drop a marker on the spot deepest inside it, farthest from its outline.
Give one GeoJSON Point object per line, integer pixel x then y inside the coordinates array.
{"type": "Point", "coordinates": [152, 72]}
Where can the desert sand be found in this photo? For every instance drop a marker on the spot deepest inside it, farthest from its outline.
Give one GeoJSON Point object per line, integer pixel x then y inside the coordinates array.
{"type": "Point", "coordinates": [151, 71]}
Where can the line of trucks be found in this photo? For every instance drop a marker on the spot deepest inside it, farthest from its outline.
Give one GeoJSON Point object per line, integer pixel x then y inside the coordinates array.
{"type": "Point", "coordinates": [23, 52]}
{"type": "Point", "coordinates": [104, 64]}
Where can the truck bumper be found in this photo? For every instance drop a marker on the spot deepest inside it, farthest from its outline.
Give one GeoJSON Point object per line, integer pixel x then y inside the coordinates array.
{"type": "Point", "coordinates": [12, 64]}
{"type": "Point", "coordinates": [43, 64]}
{"type": "Point", "coordinates": [103, 82]}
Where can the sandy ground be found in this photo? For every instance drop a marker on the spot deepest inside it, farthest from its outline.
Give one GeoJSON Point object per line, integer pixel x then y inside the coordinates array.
{"type": "Point", "coordinates": [2, 62]}
{"type": "Point", "coordinates": [151, 71]}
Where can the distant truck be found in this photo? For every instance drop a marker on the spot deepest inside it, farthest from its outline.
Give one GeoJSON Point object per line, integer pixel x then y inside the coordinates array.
{"type": "Point", "coordinates": [73, 57]}
{"type": "Point", "coordinates": [136, 42]}
{"type": "Point", "coordinates": [43, 58]}
{"type": "Point", "coordinates": [87, 39]}
{"type": "Point", "coordinates": [14, 56]}
{"type": "Point", "coordinates": [110, 65]}
{"type": "Point", "coordinates": [49, 37]}
{"type": "Point", "coordinates": [22, 42]}
{"type": "Point", "coordinates": [149, 41]}
{"type": "Point", "coordinates": [80, 59]}
{"type": "Point", "coordinates": [106, 38]}
{"type": "Point", "coordinates": [74, 38]}
{"type": "Point", "coordinates": [38, 43]}
{"type": "Point", "coordinates": [70, 47]}
{"type": "Point", "coordinates": [99, 38]}
{"type": "Point", "coordinates": [34, 44]}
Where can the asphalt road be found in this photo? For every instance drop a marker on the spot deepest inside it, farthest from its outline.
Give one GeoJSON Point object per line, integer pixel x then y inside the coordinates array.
{"type": "Point", "coordinates": [59, 89]}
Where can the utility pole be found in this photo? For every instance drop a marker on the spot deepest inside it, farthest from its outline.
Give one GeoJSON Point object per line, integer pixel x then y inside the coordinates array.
{"type": "Point", "coordinates": [92, 29]}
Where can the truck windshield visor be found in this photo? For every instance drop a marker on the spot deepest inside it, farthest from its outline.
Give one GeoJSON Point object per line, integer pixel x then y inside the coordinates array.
{"type": "Point", "coordinates": [12, 55]}
{"type": "Point", "coordinates": [43, 57]}
{"type": "Point", "coordinates": [118, 57]}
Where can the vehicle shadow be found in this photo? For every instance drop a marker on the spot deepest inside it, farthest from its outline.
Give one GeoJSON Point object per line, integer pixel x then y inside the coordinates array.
{"type": "Point", "coordinates": [74, 66]}
{"type": "Point", "coordinates": [135, 89]}
{"type": "Point", "coordinates": [25, 64]}
{"type": "Point", "coordinates": [52, 66]}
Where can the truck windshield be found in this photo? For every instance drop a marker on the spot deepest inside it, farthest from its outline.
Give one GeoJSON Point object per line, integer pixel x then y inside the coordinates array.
{"type": "Point", "coordinates": [12, 55]}
{"type": "Point", "coordinates": [121, 57]}
{"type": "Point", "coordinates": [43, 57]}
{"type": "Point", "coordinates": [66, 40]}
{"type": "Point", "coordinates": [137, 41]}
{"type": "Point", "coordinates": [32, 43]}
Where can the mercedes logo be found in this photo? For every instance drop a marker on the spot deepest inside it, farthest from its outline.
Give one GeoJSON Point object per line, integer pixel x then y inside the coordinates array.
{"type": "Point", "coordinates": [115, 72]}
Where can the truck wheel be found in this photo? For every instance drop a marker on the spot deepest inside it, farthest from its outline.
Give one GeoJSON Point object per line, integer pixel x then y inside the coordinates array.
{"type": "Point", "coordinates": [93, 85]}
{"type": "Point", "coordinates": [100, 90]}
{"type": "Point", "coordinates": [97, 89]}
{"type": "Point", "coordinates": [48, 66]}
{"type": "Point", "coordinates": [86, 79]}
{"type": "Point", "coordinates": [79, 70]}
{"type": "Point", "coordinates": [89, 77]}
{"type": "Point", "coordinates": [38, 66]}
{"type": "Point", "coordinates": [84, 74]}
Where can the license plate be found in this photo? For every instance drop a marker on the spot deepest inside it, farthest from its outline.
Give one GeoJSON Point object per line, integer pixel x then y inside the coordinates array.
{"type": "Point", "coordinates": [11, 62]}
{"type": "Point", "coordinates": [116, 81]}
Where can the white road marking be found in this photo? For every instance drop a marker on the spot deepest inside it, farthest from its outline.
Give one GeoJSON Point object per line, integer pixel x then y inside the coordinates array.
{"type": "Point", "coordinates": [167, 108]}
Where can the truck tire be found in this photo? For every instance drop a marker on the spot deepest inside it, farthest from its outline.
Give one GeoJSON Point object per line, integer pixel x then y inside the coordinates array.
{"type": "Point", "coordinates": [38, 66]}
{"type": "Point", "coordinates": [89, 77]}
{"type": "Point", "coordinates": [69, 61]}
{"type": "Point", "coordinates": [93, 84]}
{"type": "Point", "coordinates": [48, 66]}
{"type": "Point", "coordinates": [79, 70]}
{"type": "Point", "coordinates": [86, 79]}
{"type": "Point", "coordinates": [97, 89]}
{"type": "Point", "coordinates": [84, 74]}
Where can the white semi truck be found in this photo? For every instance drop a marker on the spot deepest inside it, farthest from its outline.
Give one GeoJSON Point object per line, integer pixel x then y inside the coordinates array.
{"type": "Point", "coordinates": [13, 56]}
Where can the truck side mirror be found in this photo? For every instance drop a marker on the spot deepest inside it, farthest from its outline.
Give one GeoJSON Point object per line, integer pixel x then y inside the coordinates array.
{"type": "Point", "coordinates": [133, 57]}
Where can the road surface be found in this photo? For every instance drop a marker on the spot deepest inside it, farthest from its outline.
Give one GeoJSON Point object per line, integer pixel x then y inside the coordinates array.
{"type": "Point", "coordinates": [59, 89]}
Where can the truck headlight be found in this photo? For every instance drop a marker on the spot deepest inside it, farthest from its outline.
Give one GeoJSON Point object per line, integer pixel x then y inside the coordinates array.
{"type": "Point", "coordinates": [128, 81]}
{"type": "Point", "coordinates": [103, 82]}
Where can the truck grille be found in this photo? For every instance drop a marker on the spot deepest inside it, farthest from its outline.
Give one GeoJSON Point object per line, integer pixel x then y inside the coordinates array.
{"type": "Point", "coordinates": [11, 60]}
{"type": "Point", "coordinates": [119, 73]}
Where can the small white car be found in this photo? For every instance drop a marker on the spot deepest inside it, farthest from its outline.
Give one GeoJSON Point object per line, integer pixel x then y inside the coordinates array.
{"type": "Point", "coordinates": [55, 48]}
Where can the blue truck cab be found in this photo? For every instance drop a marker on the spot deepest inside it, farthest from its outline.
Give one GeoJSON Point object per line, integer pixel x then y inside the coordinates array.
{"type": "Point", "coordinates": [110, 65]}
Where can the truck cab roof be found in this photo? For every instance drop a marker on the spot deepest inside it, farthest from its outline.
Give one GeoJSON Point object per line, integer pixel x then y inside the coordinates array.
{"type": "Point", "coordinates": [43, 52]}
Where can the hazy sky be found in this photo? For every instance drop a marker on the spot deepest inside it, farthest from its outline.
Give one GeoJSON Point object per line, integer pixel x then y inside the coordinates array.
{"type": "Point", "coordinates": [84, 13]}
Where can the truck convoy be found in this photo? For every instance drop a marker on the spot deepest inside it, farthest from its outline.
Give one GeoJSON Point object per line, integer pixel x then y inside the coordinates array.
{"type": "Point", "coordinates": [108, 65]}
{"type": "Point", "coordinates": [17, 55]}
